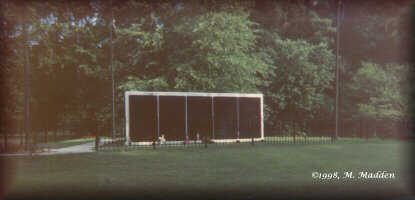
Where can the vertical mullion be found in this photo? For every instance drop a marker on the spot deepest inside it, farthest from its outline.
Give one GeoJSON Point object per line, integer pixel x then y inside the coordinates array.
{"type": "Point", "coordinates": [213, 117]}
{"type": "Point", "coordinates": [158, 116]}
{"type": "Point", "coordinates": [262, 117]}
{"type": "Point", "coordinates": [127, 118]}
{"type": "Point", "coordinates": [237, 116]}
{"type": "Point", "coordinates": [187, 136]}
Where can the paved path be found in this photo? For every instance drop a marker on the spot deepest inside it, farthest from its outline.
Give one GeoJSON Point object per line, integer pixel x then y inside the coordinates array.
{"type": "Point", "coordinates": [82, 148]}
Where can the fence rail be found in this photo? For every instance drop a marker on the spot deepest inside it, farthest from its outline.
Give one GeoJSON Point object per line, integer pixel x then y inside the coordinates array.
{"type": "Point", "coordinates": [284, 132]}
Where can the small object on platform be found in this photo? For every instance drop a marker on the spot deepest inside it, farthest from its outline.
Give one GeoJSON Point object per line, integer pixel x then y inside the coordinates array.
{"type": "Point", "coordinates": [162, 139]}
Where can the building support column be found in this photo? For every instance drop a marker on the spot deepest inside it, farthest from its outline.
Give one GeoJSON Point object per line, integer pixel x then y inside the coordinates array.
{"type": "Point", "coordinates": [158, 116]}
{"type": "Point", "coordinates": [262, 117]}
{"type": "Point", "coordinates": [213, 116]}
{"type": "Point", "coordinates": [127, 118]}
{"type": "Point", "coordinates": [237, 118]}
{"type": "Point", "coordinates": [185, 120]}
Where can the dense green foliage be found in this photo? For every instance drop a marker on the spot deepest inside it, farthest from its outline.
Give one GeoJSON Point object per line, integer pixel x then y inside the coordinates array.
{"type": "Point", "coordinates": [303, 75]}
{"type": "Point", "coordinates": [284, 49]}
{"type": "Point", "coordinates": [382, 91]}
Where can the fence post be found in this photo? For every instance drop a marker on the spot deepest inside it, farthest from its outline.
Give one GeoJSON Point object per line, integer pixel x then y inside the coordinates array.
{"type": "Point", "coordinates": [55, 134]}
{"type": "Point", "coordinates": [46, 136]}
{"type": "Point", "coordinates": [252, 141]}
{"type": "Point", "coordinates": [97, 142]}
{"type": "Point", "coordinates": [308, 131]}
{"type": "Point", "coordinates": [6, 149]}
{"type": "Point", "coordinates": [31, 146]}
{"type": "Point", "coordinates": [333, 136]}
{"type": "Point", "coordinates": [304, 132]}
{"type": "Point", "coordinates": [294, 131]}
{"type": "Point", "coordinates": [154, 145]}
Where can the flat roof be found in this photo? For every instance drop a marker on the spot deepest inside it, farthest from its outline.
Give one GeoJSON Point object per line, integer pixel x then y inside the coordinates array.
{"type": "Point", "coordinates": [199, 94]}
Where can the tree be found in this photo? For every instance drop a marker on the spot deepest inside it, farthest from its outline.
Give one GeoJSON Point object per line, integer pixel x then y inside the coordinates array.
{"type": "Point", "coordinates": [214, 51]}
{"type": "Point", "coordinates": [219, 54]}
{"type": "Point", "coordinates": [303, 74]}
{"type": "Point", "coordinates": [383, 92]}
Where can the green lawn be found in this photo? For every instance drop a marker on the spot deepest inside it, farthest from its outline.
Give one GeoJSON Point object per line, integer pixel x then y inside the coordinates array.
{"type": "Point", "coordinates": [240, 170]}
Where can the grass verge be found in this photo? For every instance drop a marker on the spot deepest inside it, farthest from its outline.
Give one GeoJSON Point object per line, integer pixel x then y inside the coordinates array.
{"type": "Point", "coordinates": [241, 170]}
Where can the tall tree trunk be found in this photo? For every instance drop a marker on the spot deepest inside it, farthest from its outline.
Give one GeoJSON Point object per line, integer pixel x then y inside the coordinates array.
{"type": "Point", "coordinates": [26, 73]}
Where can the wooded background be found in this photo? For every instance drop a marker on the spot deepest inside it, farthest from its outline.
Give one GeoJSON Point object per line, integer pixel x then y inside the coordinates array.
{"type": "Point", "coordinates": [283, 49]}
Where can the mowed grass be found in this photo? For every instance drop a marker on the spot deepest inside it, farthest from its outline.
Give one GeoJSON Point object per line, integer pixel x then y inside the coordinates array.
{"type": "Point", "coordinates": [237, 171]}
